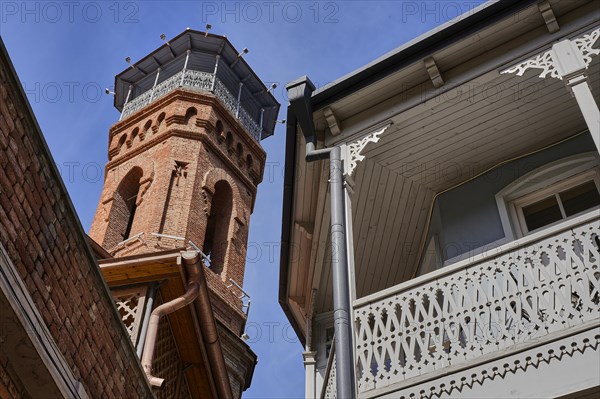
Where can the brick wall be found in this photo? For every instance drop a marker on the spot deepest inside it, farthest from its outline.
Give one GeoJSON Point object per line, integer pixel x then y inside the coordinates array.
{"type": "Point", "coordinates": [45, 241]}
{"type": "Point", "coordinates": [10, 387]}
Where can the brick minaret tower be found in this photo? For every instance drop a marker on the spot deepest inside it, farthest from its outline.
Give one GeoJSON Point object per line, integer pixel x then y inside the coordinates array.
{"type": "Point", "coordinates": [185, 160]}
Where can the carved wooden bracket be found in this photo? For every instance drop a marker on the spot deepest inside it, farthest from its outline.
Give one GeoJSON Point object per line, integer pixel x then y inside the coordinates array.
{"type": "Point", "coordinates": [354, 149]}
{"type": "Point", "coordinates": [548, 60]}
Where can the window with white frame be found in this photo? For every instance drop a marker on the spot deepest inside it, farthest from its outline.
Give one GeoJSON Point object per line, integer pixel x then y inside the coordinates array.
{"type": "Point", "coordinates": [558, 202]}
{"type": "Point", "coordinates": [550, 194]}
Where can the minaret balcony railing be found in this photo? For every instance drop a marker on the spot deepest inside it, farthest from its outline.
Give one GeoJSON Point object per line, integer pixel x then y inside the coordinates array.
{"type": "Point", "coordinates": [195, 81]}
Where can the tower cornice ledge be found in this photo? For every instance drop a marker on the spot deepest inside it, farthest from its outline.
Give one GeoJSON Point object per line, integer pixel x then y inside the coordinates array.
{"type": "Point", "coordinates": [198, 98]}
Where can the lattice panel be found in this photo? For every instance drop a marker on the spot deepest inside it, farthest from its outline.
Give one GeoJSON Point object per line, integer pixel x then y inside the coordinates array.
{"type": "Point", "coordinates": [331, 387]}
{"type": "Point", "coordinates": [546, 286]}
{"type": "Point", "coordinates": [167, 364]}
{"type": "Point", "coordinates": [130, 304]}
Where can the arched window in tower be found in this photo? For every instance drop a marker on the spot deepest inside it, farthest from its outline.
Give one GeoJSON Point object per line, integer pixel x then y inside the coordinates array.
{"type": "Point", "coordinates": [134, 135]}
{"type": "Point", "coordinates": [123, 209]}
{"type": "Point", "coordinates": [217, 229]}
{"type": "Point", "coordinates": [160, 120]}
{"type": "Point", "coordinates": [147, 130]}
{"type": "Point", "coordinates": [122, 141]}
{"type": "Point", "coordinates": [220, 131]}
{"type": "Point", "coordinates": [190, 113]}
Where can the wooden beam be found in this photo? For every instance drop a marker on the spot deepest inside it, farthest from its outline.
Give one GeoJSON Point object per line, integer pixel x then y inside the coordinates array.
{"type": "Point", "coordinates": [434, 72]}
{"type": "Point", "coordinates": [133, 274]}
{"type": "Point", "coordinates": [332, 121]}
{"type": "Point", "coordinates": [140, 269]}
{"type": "Point", "coordinates": [548, 15]}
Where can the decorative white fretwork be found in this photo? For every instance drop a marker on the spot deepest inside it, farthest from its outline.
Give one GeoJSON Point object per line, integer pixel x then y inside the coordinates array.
{"type": "Point", "coordinates": [585, 45]}
{"type": "Point", "coordinates": [130, 304]}
{"type": "Point", "coordinates": [356, 147]}
{"type": "Point", "coordinates": [546, 62]}
{"type": "Point", "coordinates": [487, 308]}
{"type": "Point", "coordinates": [523, 362]}
{"type": "Point", "coordinates": [542, 61]}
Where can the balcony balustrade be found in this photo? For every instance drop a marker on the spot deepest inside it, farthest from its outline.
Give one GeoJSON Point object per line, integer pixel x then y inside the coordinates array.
{"type": "Point", "coordinates": [478, 310]}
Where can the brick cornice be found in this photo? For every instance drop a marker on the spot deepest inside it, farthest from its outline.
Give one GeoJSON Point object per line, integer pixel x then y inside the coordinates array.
{"type": "Point", "coordinates": [198, 98]}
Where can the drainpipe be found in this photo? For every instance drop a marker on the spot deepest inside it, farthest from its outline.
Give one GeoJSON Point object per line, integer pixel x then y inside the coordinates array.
{"type": "Point", "coordinates": [147, 314]}
{"type": "Point", "coordinates": [193, 288]}
{"type": "Point", "coordinates": [210, 335]}
{"type": "Point", "coordinates": [299, 94]}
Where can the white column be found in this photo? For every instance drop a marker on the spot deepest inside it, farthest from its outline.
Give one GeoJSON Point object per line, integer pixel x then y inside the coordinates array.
{"type": "Point", "coordinates": [589, 108]}
{"type": "Point", "coordinates": [187, 58]}
{"type": "Point", "coordinates": [310, 363]}
{"type": "Point", "coordinates": [154, 86]}
{"type": "Point", "coordinates": [126, 101]}
{"type": "Point", "coordinates": [217, 58]}
{"type": "Point", "coordinates": [571, 66]}
{"type": "Point", "coordinates": [348, 191]}
{"type": "Point", "coordinates": [262, 114]}
{"type": "Point", "coordinates": [239, 100]}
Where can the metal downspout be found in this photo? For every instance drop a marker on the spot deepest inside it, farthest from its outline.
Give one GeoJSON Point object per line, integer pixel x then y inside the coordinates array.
{"type": "Point", "coordinates": [193, 289]}
{"type": "Point", "coordinates": [147, 314]}
{"type": "Point", "coordinates": [210, 336]}
{"type": "Point", "coordinates": [299, 93]}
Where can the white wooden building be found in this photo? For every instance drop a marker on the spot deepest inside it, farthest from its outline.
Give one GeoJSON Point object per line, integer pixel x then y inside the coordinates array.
{"type": "Point", "coordinates": [472, 202]}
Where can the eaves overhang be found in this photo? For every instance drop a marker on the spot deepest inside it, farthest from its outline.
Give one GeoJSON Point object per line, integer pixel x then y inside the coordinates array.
{"type": "Point", "coordinates": [417, 49]}
{"type": "Point", "coordinates": [287, 222]}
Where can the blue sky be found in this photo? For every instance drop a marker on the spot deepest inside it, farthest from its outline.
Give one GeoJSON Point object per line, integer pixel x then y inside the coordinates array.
{"type": "Point", "coordinates": [66, 53]}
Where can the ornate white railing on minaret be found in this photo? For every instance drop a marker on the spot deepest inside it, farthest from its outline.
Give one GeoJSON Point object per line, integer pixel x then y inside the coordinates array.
{"type": "Point", "coordinates": [195, 81]}
{"type": "Point", "coordinates": [497, 304]}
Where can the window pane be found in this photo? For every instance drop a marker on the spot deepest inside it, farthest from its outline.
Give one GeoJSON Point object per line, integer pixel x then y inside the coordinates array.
{"type": "Point", "coordinates": [542, 213]}
{"type": "Point", "coordinates": [580, 198]}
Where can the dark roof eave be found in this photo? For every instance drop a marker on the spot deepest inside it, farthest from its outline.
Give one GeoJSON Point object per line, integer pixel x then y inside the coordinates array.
{"type": "Point", "coordinates": [411, 52]}
{"type": "Point", "coordinates": [286, 232]}
{"type": "Point", "coordinates": [192, 31]}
